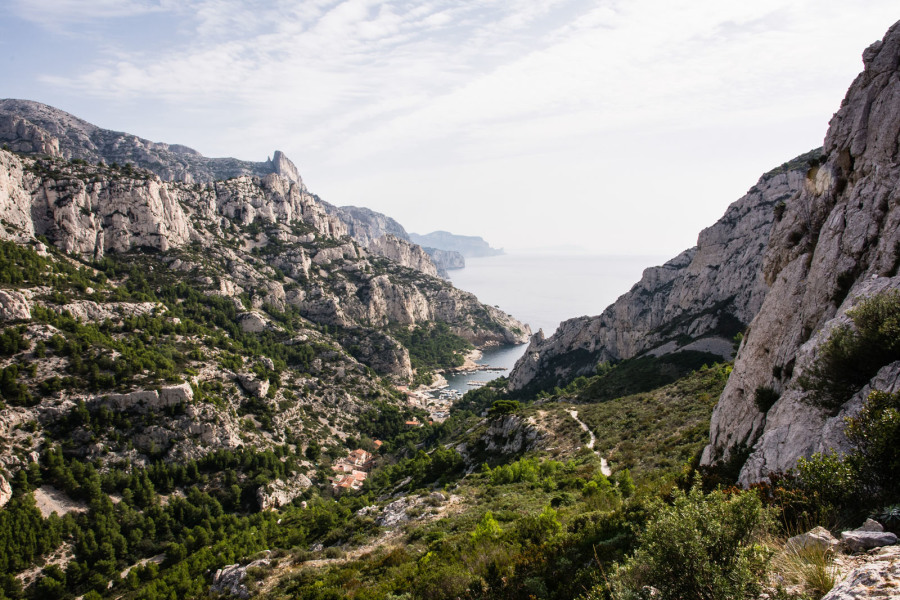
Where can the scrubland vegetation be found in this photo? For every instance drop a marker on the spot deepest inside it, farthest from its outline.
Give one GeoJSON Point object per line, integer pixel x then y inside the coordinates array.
{"type": "Point", "coordinates": [538, 520]}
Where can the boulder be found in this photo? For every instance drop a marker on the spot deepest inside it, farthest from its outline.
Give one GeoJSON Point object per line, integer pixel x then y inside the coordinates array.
{"type": "Point", "coordinates": [860, 541]}
{"type": "Point", "coordinates": [818, 538]}
{"type": "Point", "coordinates": [871, 525]}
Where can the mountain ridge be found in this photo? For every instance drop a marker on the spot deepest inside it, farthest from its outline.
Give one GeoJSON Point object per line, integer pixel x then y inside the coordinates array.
{"type": "Point", "coordinates": [828, 238]}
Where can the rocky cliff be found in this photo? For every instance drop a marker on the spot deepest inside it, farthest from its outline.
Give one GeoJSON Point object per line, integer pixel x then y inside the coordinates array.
{"type": "Point", "coordinates": [446, 259]}
{"type": "Point", "coordinates": [35, 128]}
{"type": "Point", "coordinates": [247, 227]}
{"type": "Point", "coordinates": [785, 264]}
{"type": "Point", "coordinates": [385, 237]}
{"type": "Point", "coordinates": [698, 300]}
{"type": "Point", "coordinates": [219, 316]}
{"type": "Point", "coordinates": [366, 225]}
{"type": "Point", "coordinates": [837, 242]}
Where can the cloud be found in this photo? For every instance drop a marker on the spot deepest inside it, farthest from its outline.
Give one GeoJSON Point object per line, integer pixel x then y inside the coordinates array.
{"type": "Point", "coordinates": [58, 15]}
{"type": "Point", "coordinates": [362, 86]}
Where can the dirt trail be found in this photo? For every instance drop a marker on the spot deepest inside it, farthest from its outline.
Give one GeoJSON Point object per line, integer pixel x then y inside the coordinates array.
{"type": "Point", "coordinates": [604, 466]}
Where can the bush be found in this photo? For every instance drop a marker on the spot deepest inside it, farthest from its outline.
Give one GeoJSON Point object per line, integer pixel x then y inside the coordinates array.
{"type": "Point", "coordinates": [701, 547]}
{"type": "Point", "coordinates": [846, 486]}
{"type": "Point", "coordinates": [875, 435]}
{"type": "Point", "coordinates": [829, 485]}
{"type": "Point", "coordinates": [765, 398]}
{"type": "Point", "coordinates": [853, 355]}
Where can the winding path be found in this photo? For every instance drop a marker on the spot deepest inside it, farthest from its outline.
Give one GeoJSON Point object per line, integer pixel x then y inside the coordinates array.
{"type": "Point", "coordinates": [604, 466]}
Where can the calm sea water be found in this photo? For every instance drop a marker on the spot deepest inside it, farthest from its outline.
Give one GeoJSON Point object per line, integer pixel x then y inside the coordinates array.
{"type": "Point", "coordinates": [543, 291]}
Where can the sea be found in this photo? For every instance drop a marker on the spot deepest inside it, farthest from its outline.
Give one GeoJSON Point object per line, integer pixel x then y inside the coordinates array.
{"type": "Point", "coordinates": [543, 290]}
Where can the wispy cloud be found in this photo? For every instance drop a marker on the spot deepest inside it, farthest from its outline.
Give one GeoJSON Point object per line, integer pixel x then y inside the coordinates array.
{"type": "Point", "coordinates": [59, 15]}
{"type": "Point", "coordinates": [365, 85]}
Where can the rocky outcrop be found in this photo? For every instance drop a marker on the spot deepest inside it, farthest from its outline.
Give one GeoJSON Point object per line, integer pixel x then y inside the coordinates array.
{"type": "Point", "coordinates": [878, 578]}
{"type": "Point", "coordinates": [379, 351]}
{"type": "Point", "coordinates": [836, 242]}
{"type": "Point", "coordinates": [5, 491]}
{"type": "Point", "coordinates": [229, 580]}
{"type": "Point", "coordinates": [698, 300]}
{"type": "Point", "coordinates": [20, 135]}
{"type": "Point", "coordinates": [253, 386]}
{"type": "Point", "coordinates": [88, 210]}
{"type": "Point", "coordinates": [403, 253]}
{"type": "Point", "coordinates": [143, 401]}
{"type": "Point", "coordinates": [365, 225]}
{"type": "Point", "coordinates": [445, 259]}
{"type": "Point", "coordinates": [14, 306]}
{"type": "Point", "coordinates": [252, 322]}
{"type": "Point", "coordinates": [383, 236]}
{"type": "Point", "coordinates": [280, 492]}
{"type": "Point", "coordinates": [88, 311]}
{"type": "Point", "coordinates": [31, 127]}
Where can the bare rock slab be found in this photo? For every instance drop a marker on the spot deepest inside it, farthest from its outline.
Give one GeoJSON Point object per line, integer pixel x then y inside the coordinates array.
{"type": "Point", "coordinates": [878, 579]}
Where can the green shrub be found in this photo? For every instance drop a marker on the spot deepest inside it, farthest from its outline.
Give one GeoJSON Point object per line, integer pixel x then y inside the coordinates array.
{"type": "Point", "coordinates": [765, 398]}
{"type": "Point", "coordinates": [846, 486]}
{"type": "Point", "coordinates": [701, 547]}
{"type": "Point", "coordinates": [853, 355]}
{"type": "Point", "coordinates": [829, 485]}
{"type": "Point", "coordinates": [875, 435]}
{"type": "Point", "coordinates": [889, 516]}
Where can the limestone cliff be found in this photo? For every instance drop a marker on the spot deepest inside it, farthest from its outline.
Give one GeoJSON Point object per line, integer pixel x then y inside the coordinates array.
{"type": "Point", "coordinates": [264, 237]}
{"type": "Point", "coordinates": [382, 235]}
{"type": "Point", "coordinates": [32, 127]}
{"type": "Point", "coordinates": [837, 241]}
{"type": "Point", "coordinates": [698, 300]}
{"type": "Point", "coordinates": [809, 242]}
{"type": "Point", "coordinates": [403, 252]}
{"type": "Point", "coordinates": [446, 259]}
{"type": "Point", "coordinates": [365, 225]}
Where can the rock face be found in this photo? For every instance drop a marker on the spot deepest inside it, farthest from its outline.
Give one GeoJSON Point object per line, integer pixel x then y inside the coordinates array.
{"type": "Point", "coordinates": [383, 236]}
{"type": "Point", "coordinates": [149, 400]}
{"type": "Point", "coordinates": [446, 259]}
{"type": "Point", "coordinates": [365, 225]}
{"type": "Point", "coordinates": [280, 492]}
{"type": "Point", "coordinates": [837, 241]}
{"type": "Point", "coordinates": [32, 127]}
{"type": "Point", "coordinates": [14, 306]}
{"type": "Point", "coordinates": [404, 253]}
{"type": "Point", "coordinates": [698, 300]}
{"type": "Point", "coordinates": [229, 580]}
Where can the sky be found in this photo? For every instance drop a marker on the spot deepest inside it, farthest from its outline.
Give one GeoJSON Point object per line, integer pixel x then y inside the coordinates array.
{"type": "Point", "coordinates": [604, 126]}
